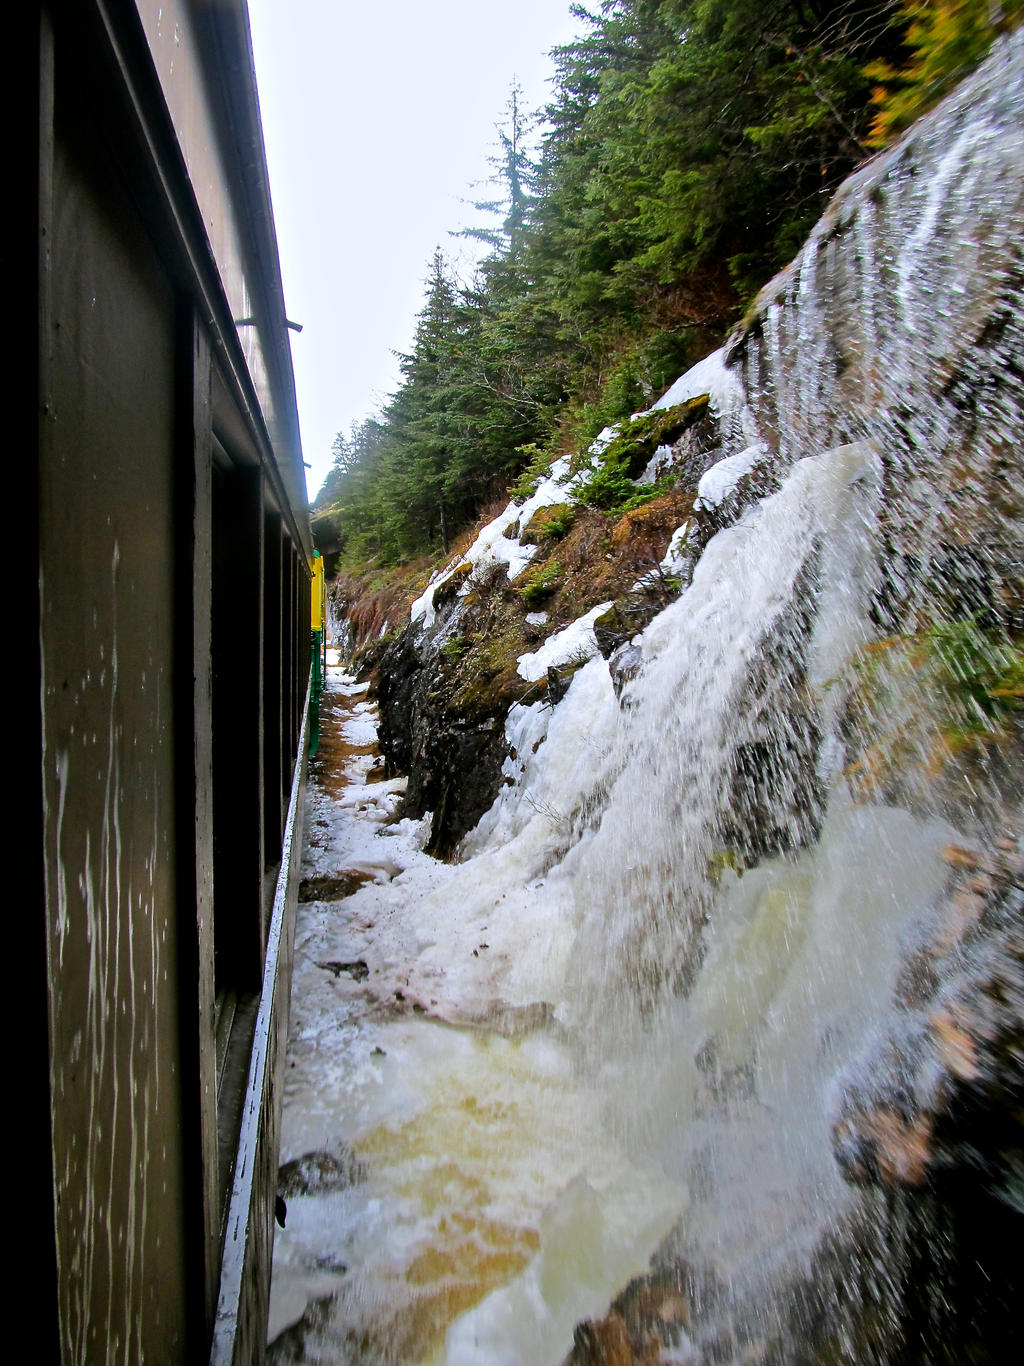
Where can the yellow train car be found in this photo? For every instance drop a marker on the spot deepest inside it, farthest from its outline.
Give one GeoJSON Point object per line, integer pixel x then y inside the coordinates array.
{"type": "Point", "coordinates": [318, 649]}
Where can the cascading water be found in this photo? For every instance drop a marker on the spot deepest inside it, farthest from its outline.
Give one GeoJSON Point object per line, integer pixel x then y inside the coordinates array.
{"type": "Point", "coordinates": [757, 938]}
{"type": "Point", "coordinates": [730, 976]}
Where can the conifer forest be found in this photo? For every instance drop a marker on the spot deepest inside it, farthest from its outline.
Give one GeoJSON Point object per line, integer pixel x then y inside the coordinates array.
{"type": "Point", "coordinates": [630, 224]}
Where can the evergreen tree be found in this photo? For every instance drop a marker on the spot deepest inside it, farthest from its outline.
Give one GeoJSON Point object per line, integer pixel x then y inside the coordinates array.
{"type": "Point", "coordinates": [688, 148]}
{"type": "Point", "coordinates": [422, 417]}
{"type": "Point", "coordinates": [513, 177]}
{"type": "Point", "coordinates": [944, 38]}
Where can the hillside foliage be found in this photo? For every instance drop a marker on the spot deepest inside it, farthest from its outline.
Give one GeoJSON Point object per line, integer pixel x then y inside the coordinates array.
{"type": "Point", "coordinates": [945, 38]}
{"type": "Point", "coordinates": [688, 148]}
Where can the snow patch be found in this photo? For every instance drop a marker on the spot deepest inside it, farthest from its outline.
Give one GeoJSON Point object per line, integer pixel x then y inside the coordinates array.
{"type": "Point", "coordinates": [720, 480]}
{"type": "Point", "coordinates": [603, 440]}
{"type": "Point", "coordinates": [674, 557]}
{"type": "Point", "coordinates": [660, 461]}
{"type": "Point", "coordinates": [492, 546]}
{"type": "Point", "coordinates": [577, 637]}
{"type": "Point", "coordinates": [709, 376]}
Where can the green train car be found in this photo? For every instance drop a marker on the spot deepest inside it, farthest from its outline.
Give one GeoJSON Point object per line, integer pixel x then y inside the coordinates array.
{"type": "Point", "coordinates": [160, 698]}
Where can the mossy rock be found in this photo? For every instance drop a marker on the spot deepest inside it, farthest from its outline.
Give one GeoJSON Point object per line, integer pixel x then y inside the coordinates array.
{"type": "Point", "coordinates": [448, 589]}
{"type": "Point", "coordinates": [557, 679]}
{"type": "Point", "coordinates": [488, 679]}
{"type": "Point", "coordinates": [634, 445]}
{"type": "Point", "coordinates": [548, 524]}
{"type": "Point", "coordinates": [455, 647]}
{"type": "Point", "coordinates": [653, 521]}
{"type": "Point", "coordinates": [611, 630]}
{"type": "Point", "coordinates": [626, 617]}
{"type": "Point", "coordinates": [488, 694]}
{"type": "Point", "coordinates": [629, 614]}
{"type": "Point", "coordinates": [542, 583]}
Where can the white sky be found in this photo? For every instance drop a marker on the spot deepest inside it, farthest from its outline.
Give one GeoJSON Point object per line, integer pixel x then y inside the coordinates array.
{"type": "Point", "coordinates": [378, 120]}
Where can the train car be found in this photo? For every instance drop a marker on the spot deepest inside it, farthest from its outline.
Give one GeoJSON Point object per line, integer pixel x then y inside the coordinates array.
{"type": "Point", "coordinates": [159, 684]}
{"type": "Point", "coordinates": [318, 649]}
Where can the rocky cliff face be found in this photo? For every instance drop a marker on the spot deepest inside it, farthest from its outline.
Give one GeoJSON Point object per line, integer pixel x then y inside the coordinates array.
{"type": "Point", "coordinates": [447, 683]}
{"type": "Point", "coordinates": [799, 862]}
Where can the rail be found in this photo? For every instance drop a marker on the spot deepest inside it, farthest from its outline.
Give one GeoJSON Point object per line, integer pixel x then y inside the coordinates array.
{"type": "Point", "coordinates": [239, 1334]}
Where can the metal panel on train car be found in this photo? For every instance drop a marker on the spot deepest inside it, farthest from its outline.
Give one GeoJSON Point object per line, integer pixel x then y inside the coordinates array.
{"type": "Point", "coordinates": [107, 550]}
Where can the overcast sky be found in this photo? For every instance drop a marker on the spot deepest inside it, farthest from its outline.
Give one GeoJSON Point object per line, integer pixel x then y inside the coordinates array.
{"type": "Point", "coordinates": [378, 119]}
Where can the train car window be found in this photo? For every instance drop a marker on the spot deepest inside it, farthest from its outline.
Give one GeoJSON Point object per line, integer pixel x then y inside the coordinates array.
{"type": "Point", "coordinates": [237, 814]}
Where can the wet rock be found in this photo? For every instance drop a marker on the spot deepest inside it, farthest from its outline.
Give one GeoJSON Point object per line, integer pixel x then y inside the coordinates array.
{"type": "Point", "coordinates": [611, 631]}
{"type": "Point", "coordinates": [642, 1322]}
{"type": "Point", "coordinates": [777, 797]}
{"type": "Point", "coordinates": [624, 665]}
{"type": "Point", "coordinates": [629, 614]}
{"type": "Point", "coordinates": [445, 691]}
{"type": "Point", "coordinates": [449, 740]}
{"type": "Point", "coordinates": [941, 1101]}
{"type": "Point", "coordinates": [696, 449]}
{"type": "Point", "coordinates": [759, 475]}
{"type": "Point", "coordinates": [320, 1172]}
{"type": "Point", "coordinates": [332, 887]}
{"type": "Point", "coordinates": [399, 687]}
{"type": "Point", "coordinates": [603, 1342]}
{"type": "Point", "coordinates": [557, 686]}
{"type": "Point", "coordinates": [626, 618]}
{"type": "Point", "coordinates": [358, 970]}
{"type": "Point", "coordinates": [448, 590]}
{"type": "Point", "coordinates": [882, 1145]}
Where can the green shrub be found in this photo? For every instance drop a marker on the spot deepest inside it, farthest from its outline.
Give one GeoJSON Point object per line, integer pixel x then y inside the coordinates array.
{"type": "Point", "coordinates": [932, 694]}
{"type": "Point", "coordinates": [541, 583]}
{"type": "Point", "coordinates": [558, 522]}
{"type": "Point", "coordinates": [548, 524]}
{"type": "Point", "coordinates": [611, 488]}
{"type": "Point", "coordinates": [608, 488]}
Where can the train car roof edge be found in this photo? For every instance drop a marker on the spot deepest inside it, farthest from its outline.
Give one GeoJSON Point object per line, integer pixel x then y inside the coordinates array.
{"type": "Point", "coordinates": [230, 72]}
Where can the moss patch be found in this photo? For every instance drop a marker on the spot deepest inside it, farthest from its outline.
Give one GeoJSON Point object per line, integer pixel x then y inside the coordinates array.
{"type": "Point", "coordinates": [548, 524]}
{"type": "Point", "coordinates": [541, 583]}
{"type": "Point", "coordinates": [637, 440]}
{"type": "Point", "coordinates": [634, 446]}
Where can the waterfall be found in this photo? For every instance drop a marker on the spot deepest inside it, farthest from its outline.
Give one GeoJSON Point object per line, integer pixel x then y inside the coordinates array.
{"type": "Point", "coordinates": [754, 910]}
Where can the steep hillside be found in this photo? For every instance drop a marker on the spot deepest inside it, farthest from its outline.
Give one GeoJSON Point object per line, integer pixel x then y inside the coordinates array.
{"type": "Point", "coordinates": [730, 708]}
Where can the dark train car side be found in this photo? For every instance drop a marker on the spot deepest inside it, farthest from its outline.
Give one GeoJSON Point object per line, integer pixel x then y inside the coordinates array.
{"type": "Point", "coordinates": [163, 696]}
